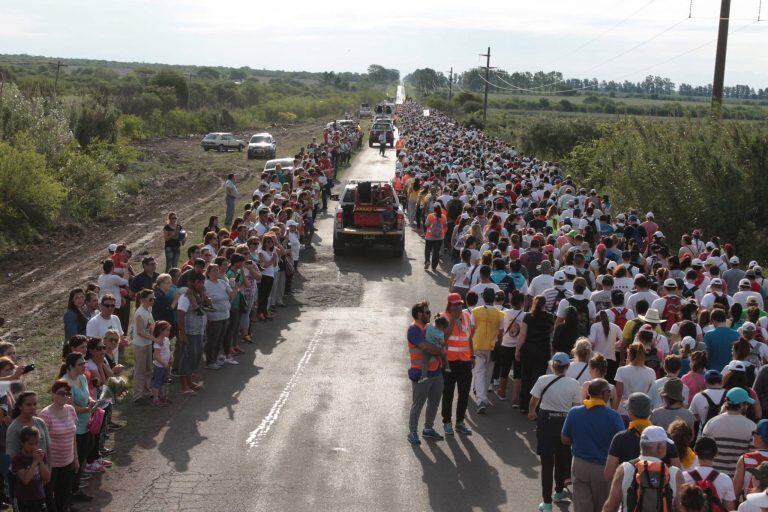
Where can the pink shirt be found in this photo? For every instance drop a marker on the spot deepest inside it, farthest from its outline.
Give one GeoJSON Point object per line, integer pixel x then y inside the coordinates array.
{"type": "Point", "coordinates": [62, 433]}
{"type": "Point", "coordinates": [695, 382]}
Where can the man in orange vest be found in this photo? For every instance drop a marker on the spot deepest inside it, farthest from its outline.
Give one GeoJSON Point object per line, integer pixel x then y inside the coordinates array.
{"type": "Point", "coordinates": [431, 389]}
{"type": "Point", "coordinates": [399, 145]}
{"type": "Point", "coordinates": [460, 361]}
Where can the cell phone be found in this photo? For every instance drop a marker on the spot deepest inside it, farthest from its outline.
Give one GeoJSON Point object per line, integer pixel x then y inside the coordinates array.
{"type": "Point", "coordinates": [28, 368]}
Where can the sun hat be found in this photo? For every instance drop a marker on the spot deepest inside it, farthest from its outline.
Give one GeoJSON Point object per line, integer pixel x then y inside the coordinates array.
{"type": "Point", "coordinates": [561, 358]}
{"type": "Point", "coordinates": [455, 298]}
{"type": "Point", "coordinates": [653, 434]}
{"type": "Point", "coordinates": [673, 389]}
{"type": "Point", "coordinates": [639, 405]}
{"type": "Point", "coordinates": [651, 316]}
{"type": "Point", "coordinates": [736, 396]}
{"type": "Point", "coordinates": [544, 267]}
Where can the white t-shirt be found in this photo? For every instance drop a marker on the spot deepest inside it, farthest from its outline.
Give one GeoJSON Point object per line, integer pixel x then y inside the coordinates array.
{"type": "Point", "coordinates": [561, 396]}
{"type": "Point", "coordinates": [699, 405]}
{"type": "Point", "coordinates": [603, 344]}
{"type": "Point", "coordinates": [143, 317]}
{"type": "Point", "coordinates": [219, 294]}
{"type": "Point", "coordinates": [647, 295]}
{"type": "Point", "coordinates": [269, 270]}
{"type": "Point", "coordinates": [623, 284]}
{"type": "Point", "coordinates": [478, 289]}
{"type": "Point", "coordinates": [511, 315]}
{"type": "Point", "coordinates": [709, 300]}
{"type": "Point", "coordinates": [165, 353]}
{"type": "Point", "coordinates": [110, 283]}
{"type": "Point", "coordinates": [459, 273]}
{"type": "Point", "coordinates": [564, 303]}
{"type": "Point", "coordinates": [98, 326]}
{"type": "Point", "coordinates": [579, 371]}
{"type": "Point", "coordinates": [636, 379]}
{"type": "Point", "coordinates": [742, 296]}
{"type": "Point", "coordinates": [540, 283]}
{"type": "Point", "coordinates": [722, 483]}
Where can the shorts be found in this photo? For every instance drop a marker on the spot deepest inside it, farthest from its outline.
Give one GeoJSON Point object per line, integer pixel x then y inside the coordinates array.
{"type": "Point", "coordinates": [507, 362]}
{"type": "Point", "coordinates": [159, 376]}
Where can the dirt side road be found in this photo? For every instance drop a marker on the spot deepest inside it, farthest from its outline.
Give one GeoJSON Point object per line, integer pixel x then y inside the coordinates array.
{"type": "Point", "coordinates": [179, 176]}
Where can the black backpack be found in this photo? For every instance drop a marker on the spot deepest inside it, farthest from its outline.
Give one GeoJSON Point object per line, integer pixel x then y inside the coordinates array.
{"type": "Point", "coordinates": [689, 293]}
{"type": "Point", "coordinates": [560, 296]}
{"type": "Point", "coordinates": [582, 309]}
{"type": "Point", "coordinates": [713, 409]}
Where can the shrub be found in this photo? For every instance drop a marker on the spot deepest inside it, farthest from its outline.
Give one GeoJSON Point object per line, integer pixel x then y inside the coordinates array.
{"type": "Point", "coordinates": [93, 118]}
{"type": "Point", "coordinates": [131, 127]}
{"type": "Point", "coordinates": [89, 187]}
{"type": "Point", "coordinates": [31, 197]}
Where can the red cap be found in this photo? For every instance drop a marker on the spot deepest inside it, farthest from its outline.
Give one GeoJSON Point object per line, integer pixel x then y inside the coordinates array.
{"type": "Point", "coordinates": [454, 298]}
{"type": "Point", "coordinates": [549, 248]}
{"type": "Point", "coordinates": [600, 247]}
{"type": "Point", "coordinates": [514, 254]}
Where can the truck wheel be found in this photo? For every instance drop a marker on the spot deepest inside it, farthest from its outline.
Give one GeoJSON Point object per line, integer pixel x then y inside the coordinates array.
{"type": "Point", "coordinates": [399, 249]}
{"type": "Point", "coordinates": [220, 148]}
{"type": "Point", "coordinates": [206, 149]}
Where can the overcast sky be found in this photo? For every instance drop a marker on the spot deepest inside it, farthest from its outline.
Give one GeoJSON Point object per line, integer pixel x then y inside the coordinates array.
{"type": "Point", "coordinates": [347, 35]}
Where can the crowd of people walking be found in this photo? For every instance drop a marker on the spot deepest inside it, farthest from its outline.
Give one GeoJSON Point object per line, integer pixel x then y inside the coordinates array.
{"type": "Point", "coordinates": [642, 361]}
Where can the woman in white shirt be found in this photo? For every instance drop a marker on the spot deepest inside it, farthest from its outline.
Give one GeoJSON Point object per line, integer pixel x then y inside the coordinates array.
{"type": "Point", "coordinates": [111, 283]}
{"type": "Point", "coordinates": [604, 336]}
{"type": "Point", "coordinates": [510, 341]}
{"type": "Point", "coordinates": [579, 367]}
{"type": "Point", "coordinates": [633, 377]}
{"type": "Point", "coordinates": [268, 261]}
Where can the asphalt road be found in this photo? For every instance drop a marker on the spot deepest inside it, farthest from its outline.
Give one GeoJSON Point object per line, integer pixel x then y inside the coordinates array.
{"type": "Point", "coordinates": [315, 416]}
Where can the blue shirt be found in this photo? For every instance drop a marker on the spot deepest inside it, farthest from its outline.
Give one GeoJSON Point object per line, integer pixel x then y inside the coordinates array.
{"type": "Point", "coordinates": [719, 342]}
{"type": "Point", "coordinates": [591, 432]}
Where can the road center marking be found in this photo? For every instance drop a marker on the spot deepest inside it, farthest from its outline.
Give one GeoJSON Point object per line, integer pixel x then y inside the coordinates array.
{"type": "Point", "coordinates": [264, 427]}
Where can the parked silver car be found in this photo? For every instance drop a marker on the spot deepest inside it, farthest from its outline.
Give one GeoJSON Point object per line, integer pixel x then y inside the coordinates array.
{"type": "Point", "coordinates": [222, 141]}
{"type": "Point", "coordinates": [262, 145]}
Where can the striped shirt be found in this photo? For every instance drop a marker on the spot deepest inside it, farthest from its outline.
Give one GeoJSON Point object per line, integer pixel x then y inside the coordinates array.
{"type": "Point", "coordinates": [554, 295]}
{"type": "Point", "coordinates": [733, 435]}
{"type": "Point", "coordinates": [62, 433]}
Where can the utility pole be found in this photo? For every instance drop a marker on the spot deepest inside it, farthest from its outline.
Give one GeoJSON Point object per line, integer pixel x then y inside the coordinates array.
{"type": "Point", "coordinates": [450, 86]}
{"type": "Point", "coordinates": [59, 65]}
{"type": "Point", "coordinates": [722, 44]}
{"type": "Point", "coordinates": [487, 81]}
{"type": "Point", "coordinates": [189, 88]}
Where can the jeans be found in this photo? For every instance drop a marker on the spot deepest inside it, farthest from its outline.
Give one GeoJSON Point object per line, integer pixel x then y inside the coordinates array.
{"type": "Point", "coordinates": [533, 363]}
{"type": "Point", "coordinates": [216, 331]}
{"type": "Point", "coordinates": [61, 483]}
{"type": "Point", "coordinates": [83, 447]}
{"type": "Point", "coordinates": [459, 377]}
{"type": "Point", "coordinates": [265, 288]}
{"type": "Point", "coordinates": [432, 249]}
{"type": "Point", "coordinates": [230, 211]}
{"type": "Point", "coordinates": [171, 258]}
{"type": "Point", "coordinates": [428, 391]}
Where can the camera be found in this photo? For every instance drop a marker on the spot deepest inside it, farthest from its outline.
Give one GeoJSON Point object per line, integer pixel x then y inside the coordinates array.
{"type": "Point", "coordinates": [28, 368]}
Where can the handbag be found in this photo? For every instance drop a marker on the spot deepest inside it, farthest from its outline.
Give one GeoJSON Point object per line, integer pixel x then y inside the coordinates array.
{"type": "Point", "coordinates": [96, 421]}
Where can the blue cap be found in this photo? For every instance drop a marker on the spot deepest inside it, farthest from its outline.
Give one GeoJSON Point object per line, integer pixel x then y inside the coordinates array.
{"type": "Point", "coordinates": [738, 396]}
{"type": "Point", "coordinates": [713, 376]}
{"type": "Point", "coordinates": [561, 358]}
{"type": "Point", "coordinates": [762, 429]}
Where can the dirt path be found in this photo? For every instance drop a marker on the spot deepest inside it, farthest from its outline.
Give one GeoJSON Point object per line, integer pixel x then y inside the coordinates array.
{"type": "Point", "coordinates": [178, 176]}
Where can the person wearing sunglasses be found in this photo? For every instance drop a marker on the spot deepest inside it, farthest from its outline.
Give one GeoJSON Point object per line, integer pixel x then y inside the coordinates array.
{"type": "Point", "coordinates": [73, 372]}
{"type": "Point", "coordinates": [106, 320]}
{"type": "Point", "coordinates": [61, 419]}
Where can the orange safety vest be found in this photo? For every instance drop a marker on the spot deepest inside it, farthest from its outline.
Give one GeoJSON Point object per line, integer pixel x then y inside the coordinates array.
{"type": "Point", "coordinates": [399, 144]}
{"type": "Point", "coordinates": [459, 343]}
{"type": "Point", "coordinates": [431, 219]}
{"type": "Point", "coordinates": [397, 184]}
{"type": "Point", "coordinates": [417, 355]}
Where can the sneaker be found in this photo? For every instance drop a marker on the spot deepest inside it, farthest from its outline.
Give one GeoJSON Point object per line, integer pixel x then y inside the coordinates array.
{"type": "Point", "coordinates": [413, 438]}
{"type": "Point", "coordinates": [430, 433]}
{"type": "Point", "coordinates": [220, 360]}
{"type": "Point", "coordinates": [94, 467]}
{"type": "Point", "coordinates": [448, 429]}
{"type": "Point", "coordinates": [212, 366]}
{"type": "Point", "coordinates": [81, 496]}
{"type": "Point", "coordinates": [545, 507]}
{"type": "Point", "coordinates": [229, 360]}
{"type": "Point", "coordinates": [461, 428]}
{"type": "Point", "coordinates": [104, 462]}
{"type": "Point", "coordinates": [426, 266]}
{"type": "Point", "coordinates": [562, 496]}
{"type": "Point", "coordinates": [481, 408]}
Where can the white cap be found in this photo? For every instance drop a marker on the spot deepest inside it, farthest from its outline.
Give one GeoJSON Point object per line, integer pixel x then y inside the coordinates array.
{"type": "Point", "coordinates": [658, 234]}
{"type": "Point", "coordinates": [653, 434]}
{"type": "Point", "coordinates": [736, 366]}
{"type": "Point", "coordinates": [112, 247]}
{"type": "Point", "coordinates": [569, 270]}
{"type": "Point", "coordinates": [711, 261]}
{"type": "Point", "coordinates": [649, 215]}
{"type": "Point", "coordinates": [697, 263]}
{"type": "Point", "coordinates": [744, 283]}
{"type": "Point", "coordinates": [748, 326]}
{"type": "Point", "coordinates": [752, 264]}
{"type": "Point", "coordinates": [465, 215]}
{"type": "Point", "coordinates": [716, 282]}
{"type": "Point", "coordinates": [689, 342]}
{"type": "Point", "coordinates": [291, 222]}
{"type": "Point", "coordinates": [612, 265]}
{"type": "Point", "coordinates": [734, 260]}
{"type": "Point", "coordinates": [559, 275]}
{"type": "Point", "coordinates": [670, 283]}
{"type": "Point", "coordinates": [710, 245]}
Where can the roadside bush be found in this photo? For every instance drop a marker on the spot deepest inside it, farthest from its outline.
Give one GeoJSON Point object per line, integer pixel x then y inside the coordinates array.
{"type": "Point", "coordinates": [31, 196]}
{"type": "Point", "coordinates": [89, 187]}
{"type": "Point", "coordinates": [553, 137]}
{"type": "Point", "coordinates": [690, 173]}
{"type": "Point", "coordinates": [131, 127]}
{"type": "Point", "coordinates": [92, 118]}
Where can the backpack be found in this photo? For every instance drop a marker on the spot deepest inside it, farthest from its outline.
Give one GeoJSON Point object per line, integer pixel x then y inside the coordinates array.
{"type": "Point", "coordinates": [560, 296]}
{"type": "Point", "coordinates": [690, 293]}
{"type": "Point", "coordinates": [650, 490]}
{"type": "Point", "coordinates": [713, 408]}
{"type": "Point", "coordinates": [671, 313]}
{"type": "Point", "coordinates": [518, 279]}
{"type": "Point", "coordinates": [582, 308]}
{"type": "Point", "coordinates": [754, 356]}
{"type": "Point", "coordinates": [533, 259]}
{"type": "Point", "coordinates": [653, 360]}
{"type": "Point", "coordinates": [715, 504]}
{"type": "Point", "coordinates": [723, 301]}
{"type": "Point", "coordinates": [620, 318]}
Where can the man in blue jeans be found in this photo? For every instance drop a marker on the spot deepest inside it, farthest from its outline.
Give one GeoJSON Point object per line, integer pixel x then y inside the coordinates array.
{"type": "Point", "coordinates": [429, 391]}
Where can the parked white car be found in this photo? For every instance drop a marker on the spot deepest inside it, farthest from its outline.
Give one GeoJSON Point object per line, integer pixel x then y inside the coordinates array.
{"type": "Point", "coordinates": [222, 141]}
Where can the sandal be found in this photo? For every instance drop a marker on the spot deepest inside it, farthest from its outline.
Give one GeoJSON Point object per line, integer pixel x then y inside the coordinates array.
{"type": "Point", "coordinates": [189, 392]}
{"type": "Point", "coordinates": [247, 338]}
